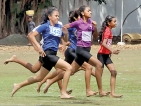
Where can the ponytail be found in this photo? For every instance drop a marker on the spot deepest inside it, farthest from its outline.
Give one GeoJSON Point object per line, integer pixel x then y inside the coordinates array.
{"type": "Point", "coordinates": [45, 19]}
{"type": "Point", "coordinates": [71, 19]}
{"type": "Point", "coordinates": [73, 15]}
{"type": "Point", "coordinates": [103, 27]}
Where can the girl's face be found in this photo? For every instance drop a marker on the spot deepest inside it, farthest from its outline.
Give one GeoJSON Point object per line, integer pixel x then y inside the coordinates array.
{"type": "Point", "coordinates": [113, 23]}
{"type": "Point", "coordinates": [87, 12]}
{"type": "Point", "coordinates": [54, 17]}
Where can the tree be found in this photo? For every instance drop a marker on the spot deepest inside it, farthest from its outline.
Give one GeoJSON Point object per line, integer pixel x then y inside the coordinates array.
{"type": "Point", "coordinates": [13, 18]}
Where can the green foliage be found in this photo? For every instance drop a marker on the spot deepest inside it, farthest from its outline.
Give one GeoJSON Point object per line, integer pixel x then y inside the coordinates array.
{"type": "Point", "coordinates": [45, 4]}
{"type": "Point", "coordinates": [99, 1]}
{"type": "Point", "coordinates": [15, 8]}
{"type": "Point", "coordinates": [17, 11]}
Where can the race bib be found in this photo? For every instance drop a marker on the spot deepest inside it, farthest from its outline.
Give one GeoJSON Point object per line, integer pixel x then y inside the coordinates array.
{"type": "Point", "coordinates": [109, 42]}
{"type": "Point", "coordinates": [55, 31]}
{"type": "Point", "coordinates": [86, 36]}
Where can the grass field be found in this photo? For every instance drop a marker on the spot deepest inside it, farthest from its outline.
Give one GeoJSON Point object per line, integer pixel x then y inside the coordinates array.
{"type": "Point", "coordinates": [127, 63]}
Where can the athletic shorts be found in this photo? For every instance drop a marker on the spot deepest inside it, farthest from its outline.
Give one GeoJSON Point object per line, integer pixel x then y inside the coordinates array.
{"type": "Point", "coordinates": [70, 55]}
{"type": "Point", "coordinates": [82, 55]}
{"type": "Point", "coordinates": [104, 59]}
{"type": "Point", "coordinates": [49, 60]}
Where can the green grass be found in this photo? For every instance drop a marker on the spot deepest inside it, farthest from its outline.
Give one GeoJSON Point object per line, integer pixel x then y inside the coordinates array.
{"type": "Point", "coordinates": [127, 63]}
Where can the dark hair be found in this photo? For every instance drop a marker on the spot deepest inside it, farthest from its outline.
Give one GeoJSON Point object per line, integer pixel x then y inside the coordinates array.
{"type": "Point", "coordinates": [73, 15]}
{"type": "Point", "coordinates": [81, 9]}
{"type": "Point", "coordinates": [50, 10]}
{"type": "Point", "coordinates": [70, 13]}
{"type": "Point", "coordinates": [104, 24]}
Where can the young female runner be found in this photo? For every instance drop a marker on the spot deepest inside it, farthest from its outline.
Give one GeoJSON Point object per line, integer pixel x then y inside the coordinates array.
{"type": "Point", "coordinates": [105, 52]}
{"type": "Point", "coordinates": [51, 32]}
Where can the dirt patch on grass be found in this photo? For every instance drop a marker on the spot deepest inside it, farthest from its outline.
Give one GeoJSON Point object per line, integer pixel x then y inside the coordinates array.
{"type": "Point", "coordinates": [19, 42]}
{"type": "Point", "coordinates": [94, 47]}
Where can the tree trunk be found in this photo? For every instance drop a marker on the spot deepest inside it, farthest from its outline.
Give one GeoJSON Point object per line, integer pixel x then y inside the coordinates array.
{"type": "Point", "coordinates": [13, 16]}
{"type": "Point", "coordinates": [3, 18]}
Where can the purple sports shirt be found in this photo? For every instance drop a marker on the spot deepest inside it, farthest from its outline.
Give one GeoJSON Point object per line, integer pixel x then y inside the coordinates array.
{"type": "Point", "coordinates": [84, 32]}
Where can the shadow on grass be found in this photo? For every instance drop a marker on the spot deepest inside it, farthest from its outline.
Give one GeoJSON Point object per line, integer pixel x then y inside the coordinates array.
{"type": "Point", "coordinates": [64, 102]}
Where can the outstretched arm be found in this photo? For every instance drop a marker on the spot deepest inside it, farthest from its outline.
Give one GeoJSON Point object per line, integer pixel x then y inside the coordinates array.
{"type": "Point", "coordinates": [67, 26]}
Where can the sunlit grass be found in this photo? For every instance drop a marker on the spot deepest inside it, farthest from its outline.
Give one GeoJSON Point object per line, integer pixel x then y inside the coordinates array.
{"type": "Point", "coordinates": [127, 63]}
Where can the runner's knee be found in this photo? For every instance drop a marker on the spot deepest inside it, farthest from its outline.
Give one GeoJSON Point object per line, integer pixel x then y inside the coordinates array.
{"type": "Point", "coordinates": [89, 67]}
{"type": "Point", "coordinates": [69, 68]}
{"type": "Point", "coordinates": [113, 73]}
{"type": "Point", "coordinates": [99, 65]}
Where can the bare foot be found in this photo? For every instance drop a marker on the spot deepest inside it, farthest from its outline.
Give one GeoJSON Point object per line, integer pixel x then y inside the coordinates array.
{"type": "Point", "coordinates": [15, 88]}
{"type": "Point", "coordinates": [69, 92]}
{"type": "Point", "coordinates": [115, 96]}
{"type": "Point", "coordinates": [47, 86]}
{"type": "Point", "coordinates": [65, 96]}
{"type": "Point", "coordinates": [103, 93]}
{"type": "Point", "coordinates": [39, 86]}
{"type": "Point", "coordinates": [12, 59]}
{"type": "Point", "coordinates": [91, 93]}
{"type": "Point", "coordinates": [29, 44]}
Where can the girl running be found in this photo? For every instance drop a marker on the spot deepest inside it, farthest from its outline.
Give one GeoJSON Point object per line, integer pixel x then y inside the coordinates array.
{"type": "Point", "coordinates": [105, 52]}
{"type": "Point", "coordinates": [51, 32]}
{"type": "Point", "coordinates": [36, 67]}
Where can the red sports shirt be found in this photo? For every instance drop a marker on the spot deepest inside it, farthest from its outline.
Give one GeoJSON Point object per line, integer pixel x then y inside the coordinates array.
{"type": "Point", "coordinates": [106, 35]}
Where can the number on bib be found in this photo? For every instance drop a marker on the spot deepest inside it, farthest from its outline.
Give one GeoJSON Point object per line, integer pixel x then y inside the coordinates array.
{"type": "Point", "coordinates": [55, 31]}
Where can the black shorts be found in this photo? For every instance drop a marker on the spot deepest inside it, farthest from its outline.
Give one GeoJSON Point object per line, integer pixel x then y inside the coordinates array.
{"type": "Point", "coordinates": [82, 55]}
{"type": "Point", "coordinates": [49, 60]}
{"type": "Point", "coordinates": [104, 59]}
{"type": "Point", "coordinates": [70, 55]}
